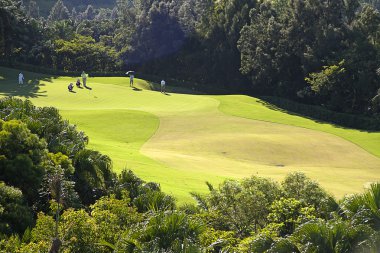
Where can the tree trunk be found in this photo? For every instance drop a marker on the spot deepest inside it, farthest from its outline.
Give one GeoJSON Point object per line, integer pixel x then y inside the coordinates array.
{"type": "Point", "coordinates": [55, 246]}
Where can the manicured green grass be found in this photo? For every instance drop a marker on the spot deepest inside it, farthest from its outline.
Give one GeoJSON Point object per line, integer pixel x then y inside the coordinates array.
{"type": "Point", "coordinates": [253, 108]}
{"type": "Point", "coordinates": [181, 140]}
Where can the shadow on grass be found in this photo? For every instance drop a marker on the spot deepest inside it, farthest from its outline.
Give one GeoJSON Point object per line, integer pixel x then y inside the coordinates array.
{"type": "Point", "coordinates": [174, 89]}
{"type": "Point", "coordinates": [324, 116]}
{"type": "Point", "coordinates": [30, 89]}
{"type": "Point", "coordinates": [136, 89]}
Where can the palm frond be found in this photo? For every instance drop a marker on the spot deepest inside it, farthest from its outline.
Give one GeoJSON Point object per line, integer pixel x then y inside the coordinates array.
{"type": "Point", "coordinates": [283, 245]}
{"type": "Point", "coordinates": [107, 244]}
{"type": "Point", "coordinates": [201, 200]}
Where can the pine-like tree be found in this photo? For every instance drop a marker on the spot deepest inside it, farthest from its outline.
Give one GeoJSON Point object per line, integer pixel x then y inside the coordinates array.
{"type": "Point", "coordinates": [74, 15]}
{"type": "Point", "coordinates": [89, 13]}
{"type": "Point", "coordinates": [33, 10]}
{"type": "Point", "coordinates": [59, 12]}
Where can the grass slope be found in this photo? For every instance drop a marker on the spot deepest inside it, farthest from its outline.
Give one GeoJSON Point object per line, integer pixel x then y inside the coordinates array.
{"type": "Point", "coordinates": [253, 108]}
{"type": "Point", "coordinates": [183, 140]}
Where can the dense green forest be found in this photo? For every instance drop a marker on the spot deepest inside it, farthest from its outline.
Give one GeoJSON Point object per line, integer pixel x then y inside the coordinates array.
{"type": "Point", "coordinates": [67, 199]}
{"type": "Point", "coordinates": [44, 6]}
{"type": "Point", "coordinates": [317, 52]}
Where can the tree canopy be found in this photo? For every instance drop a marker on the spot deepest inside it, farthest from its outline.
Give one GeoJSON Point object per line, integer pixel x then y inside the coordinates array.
{"type": "Point", "coordinates": [258, 47]}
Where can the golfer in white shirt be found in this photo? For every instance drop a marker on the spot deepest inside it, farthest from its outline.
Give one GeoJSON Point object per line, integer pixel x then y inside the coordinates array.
{"type": "Point", "coordinates": [21, 78]}
{"type": "Point", "coordinates": [163, 83]}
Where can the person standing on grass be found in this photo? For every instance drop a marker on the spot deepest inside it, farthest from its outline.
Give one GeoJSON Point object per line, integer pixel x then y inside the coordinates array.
{"type": "Point", "coordinates": [163, 84]}
{"type": "Point", "coordinates": [21, 78]}
{"type": "Point", "coordinates": [131, 76]}
{"type": "Point", "coordinates": [84, 78]}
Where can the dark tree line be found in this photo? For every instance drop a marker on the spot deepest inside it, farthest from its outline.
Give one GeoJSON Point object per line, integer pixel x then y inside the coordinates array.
{"type": "Point", "coordinates": [324, 52]}
{"type": "Point", "coordinates": [317, 52]}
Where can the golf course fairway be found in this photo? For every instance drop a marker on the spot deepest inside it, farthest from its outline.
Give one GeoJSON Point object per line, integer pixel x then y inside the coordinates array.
{"type": "Point", "coordinates": [183, 140]}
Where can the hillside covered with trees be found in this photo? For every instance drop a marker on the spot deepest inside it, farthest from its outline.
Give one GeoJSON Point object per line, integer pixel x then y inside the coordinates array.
{"type": "Point", "coordinates": [316, 52]}
{"type": "Point", "coordinates": [44, 6]}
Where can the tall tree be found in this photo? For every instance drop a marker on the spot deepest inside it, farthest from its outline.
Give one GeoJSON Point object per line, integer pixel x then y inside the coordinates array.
{"type": "Point", "coordinates": [33, 10]}
{"type": "Point", "coordinates": [59, 12]}
{"type": "Point", "coordinates": [15, 31]}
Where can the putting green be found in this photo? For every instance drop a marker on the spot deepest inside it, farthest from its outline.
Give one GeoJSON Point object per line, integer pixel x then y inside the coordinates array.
{"type": "Point", "coordinates": [181, 140]}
